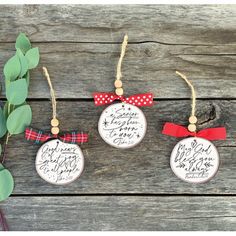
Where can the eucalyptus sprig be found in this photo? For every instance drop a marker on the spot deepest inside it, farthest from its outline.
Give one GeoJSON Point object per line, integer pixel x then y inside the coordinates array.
{"type": "Point", "coordinates": [16, 113]}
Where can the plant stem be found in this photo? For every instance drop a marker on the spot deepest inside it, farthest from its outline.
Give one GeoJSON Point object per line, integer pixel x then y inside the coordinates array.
{"type": "Point", "coordinates": [5, 147]}
{"type": "Point", "coordinates": [8, 108]}
{"type": "Point", "coordinates": [7, 137]}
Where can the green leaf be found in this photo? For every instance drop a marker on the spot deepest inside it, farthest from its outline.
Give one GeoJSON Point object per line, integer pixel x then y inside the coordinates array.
{"type": "Point", "coordinates": [12, 68]}
{"type": "Point", "coordinates": [5, 110]}
{"type": "Point", "coordinates": [3, 128]}
{"type": "Point", "coordinates": [32, 57]}
{"type": "Point", "coordinates": [19, 119]}
{"type": "Point", "coordinates": [7, 82]}
{"type": "Point", "coordinates": [6, 184]}
{"type": "Point", "coordinates": [23, 62]}
{"type": "Point", "coordinates": [27, 78]}
{"type": "Point", "coordinates": [0, 154]}
{"type": "Point", "coordinates": [12, 107]}
{"type": "Point", "coordinates": [23, 43]}
{"type": "Point", "coordinates": [17, 91]}
{"type": "Point", "coordinates": [1, 167]}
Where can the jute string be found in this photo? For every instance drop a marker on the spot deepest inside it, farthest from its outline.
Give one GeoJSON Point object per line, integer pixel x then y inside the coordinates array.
{"type": "Point", "coordinates": [122, 54]}
{"type": "Point", "coordinates": [52, 92]}
{"type": "Point", "coordinates": [192, 90]}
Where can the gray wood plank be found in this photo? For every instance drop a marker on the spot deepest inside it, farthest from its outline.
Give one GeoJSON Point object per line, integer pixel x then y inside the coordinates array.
{"type": "Point", "coordinates": [120, 213]}
{"type": "Point", "coordinates": [79, 69]}
{"type": "Point", "coordinates": [143, 169]}
{"type": "Point", "coordinates": [80, 45]}
{"type": "Point", "coordinates": [172, 24]}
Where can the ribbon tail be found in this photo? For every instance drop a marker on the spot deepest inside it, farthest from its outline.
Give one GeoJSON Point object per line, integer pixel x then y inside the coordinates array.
{"type": "Point", "coordinates": [218, 133]}
{"type": "Point", "coordinates": [37, 136]}
{"type": "Point", "coordinates": [103, 98]}
{"type": "Point", "coordinates": [140, 100]}
{"type": "Point", "coordinates": [174, 130]}
{"type": "Point", "coordinates": [74, 138]}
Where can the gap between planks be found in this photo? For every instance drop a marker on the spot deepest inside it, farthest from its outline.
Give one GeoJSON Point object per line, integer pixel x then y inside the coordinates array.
{"type": "Point", "coordinates": [134, 43]}
{"type": "Point", "coordinates": [122, 195]}
{"type": "Point", "coordinates": [3, 99]}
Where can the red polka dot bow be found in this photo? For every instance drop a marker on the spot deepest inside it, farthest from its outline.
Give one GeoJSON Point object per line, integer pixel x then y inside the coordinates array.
{"type": "Point", "coordinates": [144, 99]}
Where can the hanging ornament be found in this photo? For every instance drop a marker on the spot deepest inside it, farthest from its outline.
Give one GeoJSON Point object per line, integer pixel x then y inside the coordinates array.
{"type": "Point", "coordinates": [194, 159]}
{"type": "Point", "coordinates": [122, 124]}
{"type": "Point", "coordinates": [59, 160]}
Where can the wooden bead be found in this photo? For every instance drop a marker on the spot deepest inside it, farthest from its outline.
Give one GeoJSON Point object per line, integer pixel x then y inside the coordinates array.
{"type": "Point", "coordinates": [119, 91]}
{"type": "Point", "coordinates": [118, 83]}
{"type": "Point", "coordinates": [192, 127]}
{"type": "Point", "coordinates": [192, 119]}
{"type": "Point", "coordinates": [55, 130]}
{"type": "Point", "coordinates": [54, 122]}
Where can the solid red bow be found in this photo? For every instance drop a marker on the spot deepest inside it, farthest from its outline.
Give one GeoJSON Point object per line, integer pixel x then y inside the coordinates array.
{"type": "Point", "coordinates": [145, 99]}
{"type": "Point", "coordinates": [174, 130]}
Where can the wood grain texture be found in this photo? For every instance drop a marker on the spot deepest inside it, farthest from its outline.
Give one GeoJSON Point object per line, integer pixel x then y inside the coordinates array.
{"type": "Point", "coordinates": [80, 45]}
{"type": "Point", "coordinates": [121, 213]}
{"type": "Point", "coordinates": [143, 169]}
{"type": "Point", "coordinates": [77, 70]}
{"type": "Point", "coordinates": [170, 24]}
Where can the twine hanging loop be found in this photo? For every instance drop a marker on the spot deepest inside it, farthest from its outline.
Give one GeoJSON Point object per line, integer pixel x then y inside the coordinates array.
{"type": "Point", "coordinates": [118, 83]}
{"type": "Point", "coordinates": [54, 121]}
{"type": "Point", "coordinates": [192, 119]}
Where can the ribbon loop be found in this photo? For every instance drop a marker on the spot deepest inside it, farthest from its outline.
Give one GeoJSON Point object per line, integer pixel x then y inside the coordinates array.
{"type": "Point", "coordinates": [171, 129]}
{"type": "Point", "coordinates": [141, 100]}
{"type": "Point", "coordinates": [39, 136]}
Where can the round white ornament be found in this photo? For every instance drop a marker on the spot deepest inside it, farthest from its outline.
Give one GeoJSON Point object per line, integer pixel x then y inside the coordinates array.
{"type": "Point", "coordinates": [122, 125]}
{"type": "Point", "coordinates": [58, 162]}
{"type": "Point", "coordinates": [194, 160]}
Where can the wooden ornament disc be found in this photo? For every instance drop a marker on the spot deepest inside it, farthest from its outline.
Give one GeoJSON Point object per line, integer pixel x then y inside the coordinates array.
{"type": "Point", "coordinates": [122, 125]}
{"type": "Point", "coordinates": [194, 160]}
{"type": "Point", "coordinates": [58, 162]}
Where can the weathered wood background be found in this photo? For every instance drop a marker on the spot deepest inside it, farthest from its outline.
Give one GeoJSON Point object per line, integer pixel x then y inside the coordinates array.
{"type": "Point", "coordinates": [126, 189]}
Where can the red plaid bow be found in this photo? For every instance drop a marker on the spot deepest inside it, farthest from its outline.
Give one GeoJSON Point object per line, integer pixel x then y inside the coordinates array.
{"type": "Point", "coordinates": [144, 99]}
{"type": "Point", "coordinates": [39, 136]}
